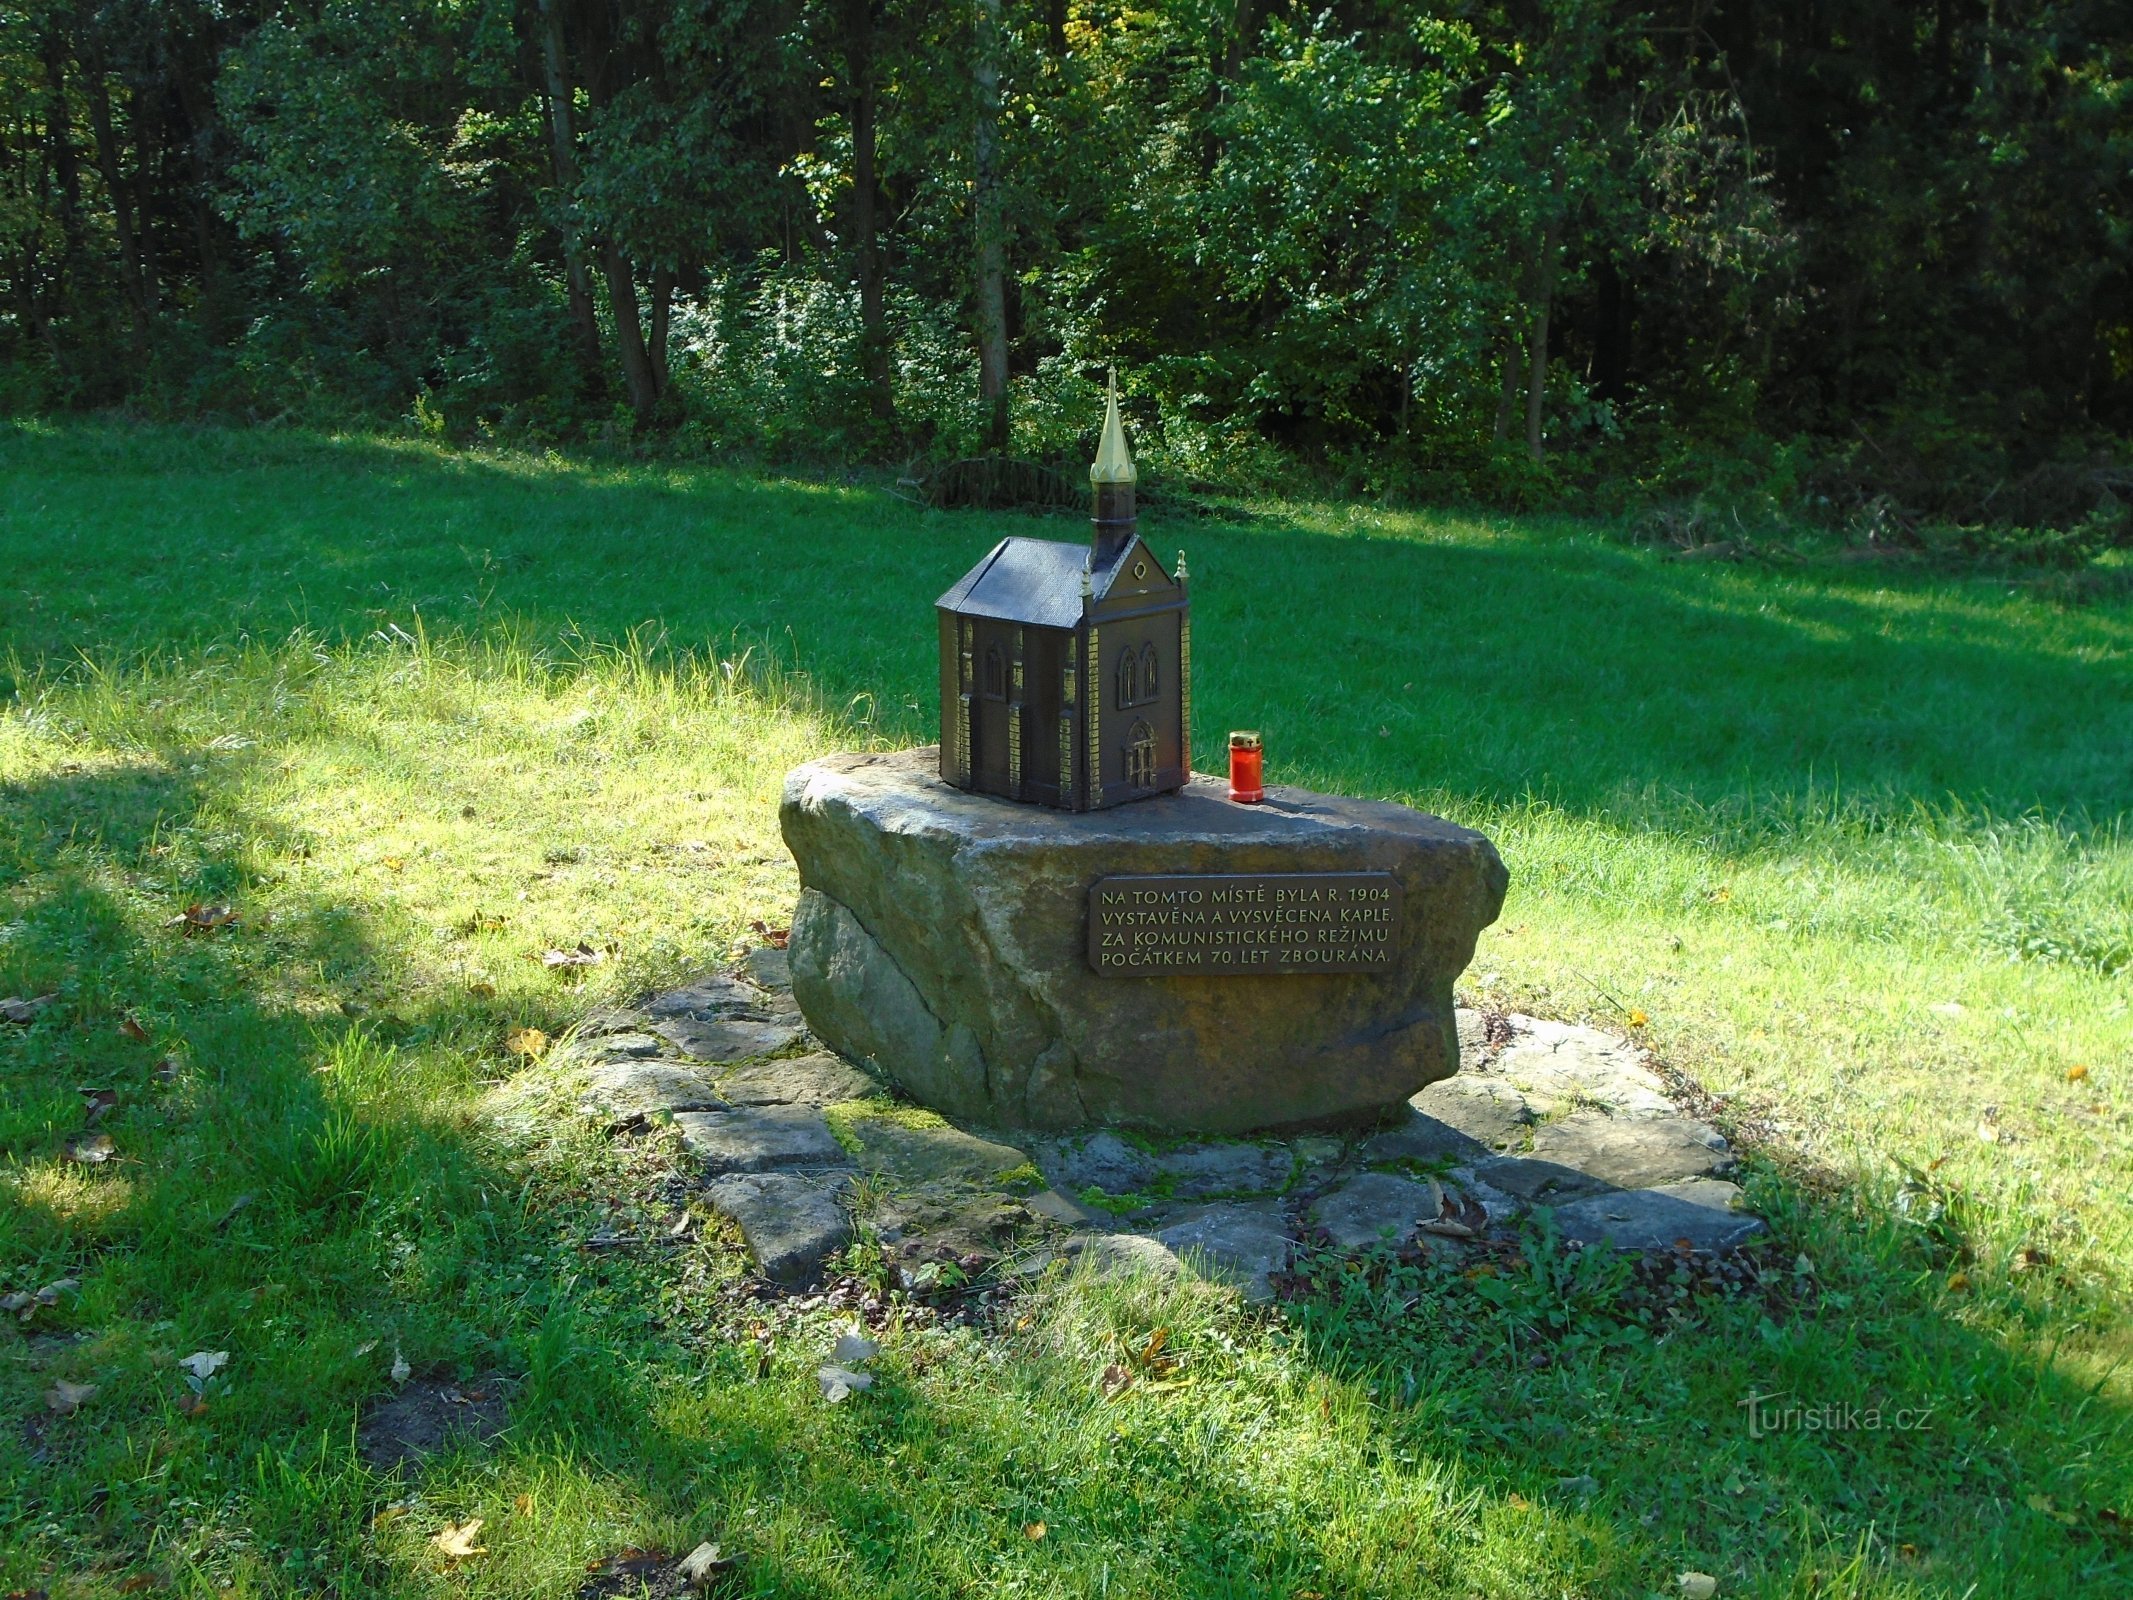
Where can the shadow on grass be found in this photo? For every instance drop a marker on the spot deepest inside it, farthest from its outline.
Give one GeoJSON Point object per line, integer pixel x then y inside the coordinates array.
{"type": "Point", "coordinates": [1487, 665]}
{"type": "Point", "coordinates": [1588, 673]}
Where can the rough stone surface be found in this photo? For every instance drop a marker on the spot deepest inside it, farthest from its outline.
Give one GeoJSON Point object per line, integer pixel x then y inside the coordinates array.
{"type": "Point", "coordinates": [817, 1080]}
{"type": "Point", "coordinates": [769, 966]}
{"type": "Point", "coordinates": [1376, 1208]}
{"type": "Point", "coordinates": [1198, 1170]}
{"type": "Point", "coordinates": [1486, 1109]}
{"type": "Point", "coordinates": [1632, 1153]}
{"type": "Point", "coordinates": [761, 1139]}
{"type": "Point", "coordinates": [1700, 1211]}
{"type": "Point", "coordinates": [940, 935]}
{"type": "Point", "coordinates": [1242, 1242]}
{"type": "Point", "coordinates": [1537, 1182]}
{"type": "Point", "coordinates": [1065, 1210]}
{"type": "Point", "coordinates": [1416, 1137]}
{"type": "Point", "coordinates": [624, 1089]}
{"type": "Point", "coordinates": [716, 994]}
{"type": "Point", "coordinates": [790, 1221]}
{"type": "Point", "coordinates": [1101, 1161]}
{"type": "Point", "coordinates": [615, 1046]}
{"type": "Point", "coordinates": [1120, 1255]}
{"type": "Point", "coordinates": [931, 1155]}
{"type": "Point", "coordinates": [1560, 1063]}
{"type": "Point", "coordinates": [727, 1038]}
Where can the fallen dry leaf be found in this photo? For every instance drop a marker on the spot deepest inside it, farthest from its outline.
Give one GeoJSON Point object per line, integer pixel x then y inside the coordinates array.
{"type": "Point", "coordinates": [1033, 1531]}
{"type": "Point", "coordinates": [395, 863]}
{"type": "Point", "coordinates": [1697, 1585]}
{"type": "Point", "coordinates": [130, 1026]}
{"type": "Point", "coordinates": [204, 918]}
{"type": "Point", "coordinates": [1638, 1019]}
{"type": "Point", "coordinates": [2076, 1073]}
{"type": "Point", "coordinates": [1519, 1502]}
{"type": "Point", "coordinates": [97, 1102]}
{"type": "Point", "coordinates": [583, 956]}
{"type": "Point", "coordinates": [50, 1293]}
{"type": "Point", "coordinates": [528, 1042]}
{"type": "Point", "coordinates": [1115, 1381]}
{"type": "Point", "coordinates": [522, 1505]}
{"type": "Point", "coordinates": [1958, 1282]}
{"type": "Point", "coordinates": [401, 1371]}
{"type": "Point", "coordinates": [204, 1364]}
{"type": "Point", "coordinates": [167, 1070]}
{"type": "Point", "coordinates": [16, 1009]}
{"type": "Point", "coordinates": [457, 1540]}
{"type": "Point", "coordinates": [776, 938]}
{"type": "Point", "coordinates": [1989, 1132]}
{"type": "Point", "coordinates": [191, 1404]}
{"type": "Point", "coordinates": [699, 1566]}
{"type": "Point", "coordinates": [91, 1149]}
{"type": "Point", "coordinates": [852, 1351]}
{"type": "Point", "coordinates": [67, 1398]}
{"type": "Point", "coordinates": [839, 1382]}
{"type": "Point", "coordinates": [482, 989]}
{"type": "Point", "coordinates": [19, 1300]}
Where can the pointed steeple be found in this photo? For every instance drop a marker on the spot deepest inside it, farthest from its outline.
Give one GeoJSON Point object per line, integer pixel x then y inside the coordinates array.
{"type": "Point", "coordinates": [1111, 482]}
{"type": "Point", "coordinates": [1114, 463]}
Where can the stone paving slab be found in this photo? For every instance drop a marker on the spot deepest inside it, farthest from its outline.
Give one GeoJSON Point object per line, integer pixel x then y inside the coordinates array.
{"type": "Point", "coordinates": [1703, 1213]}
{"type": "Point", "coordinates": [1243, 1243]}
{"type": "Point", "coordinates": [1633, 1153]}
{"type": "Point", "coordinates": [817, 1080]}
{"type": "Point", "coordinates": [1541, 1114]}
{"type": "Point", "coordinates": [620, 1090]}
{"type": "Point", "coordinates": [791, 1222]}
{"type": "Point", "coordinates": [761, 1139]}
{"type": "Point", "coordinates": [729, 1038]}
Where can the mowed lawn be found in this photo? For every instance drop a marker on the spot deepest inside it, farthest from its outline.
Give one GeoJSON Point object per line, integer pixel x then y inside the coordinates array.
{"type": "Point", "coordinates": [1846, 844]}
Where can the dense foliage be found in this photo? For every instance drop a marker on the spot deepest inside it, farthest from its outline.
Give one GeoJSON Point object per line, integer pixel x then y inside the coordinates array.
{"type": "Point", "coordinates": [1481, 245]}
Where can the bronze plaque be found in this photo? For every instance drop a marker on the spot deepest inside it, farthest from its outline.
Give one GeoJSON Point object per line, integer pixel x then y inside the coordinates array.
{"type": "Point", "coordinates": [1238, 922]}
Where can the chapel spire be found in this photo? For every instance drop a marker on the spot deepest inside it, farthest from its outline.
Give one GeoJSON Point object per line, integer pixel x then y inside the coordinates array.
{"type": "Point", "coordinates": [1111, 479]}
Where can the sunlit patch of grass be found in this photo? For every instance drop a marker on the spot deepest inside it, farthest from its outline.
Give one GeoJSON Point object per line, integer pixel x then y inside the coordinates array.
{"type": "Point", "coordinates": [1854, 847]}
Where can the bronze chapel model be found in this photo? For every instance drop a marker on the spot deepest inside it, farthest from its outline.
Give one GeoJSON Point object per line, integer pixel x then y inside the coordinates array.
{"type": "Point", "coordinates": [1066, 672]}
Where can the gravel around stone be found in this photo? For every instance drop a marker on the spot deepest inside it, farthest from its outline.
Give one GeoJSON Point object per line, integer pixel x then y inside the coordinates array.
{"type": "Point", "coordinates": [1541, 1114]}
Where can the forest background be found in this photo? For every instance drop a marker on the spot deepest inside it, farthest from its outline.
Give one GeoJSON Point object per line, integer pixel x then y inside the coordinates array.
{"type": "Point", "coordinates": [1859, 264]}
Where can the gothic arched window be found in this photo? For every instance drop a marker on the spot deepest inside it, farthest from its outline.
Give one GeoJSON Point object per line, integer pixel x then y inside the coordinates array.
{"type": "Point", "coordinates": [1140, 756]}
{"type": "Point", "coordinates": [995, 674]}
{"type": "Point", "coordinates": [1148, 672]}
{"type": "Point", "coordinates": [1129, 693]}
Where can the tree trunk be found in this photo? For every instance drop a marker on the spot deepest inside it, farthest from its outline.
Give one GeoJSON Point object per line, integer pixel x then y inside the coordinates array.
{"type": "Point", "coordinates": [661, 319]}
{"type": "Point", "coordinates": [138, 304]}
{"type": "Point", "coordinates": [59, 138]}
{"type": "Point", "coordinates": [1507, 392]}
{"type": "Point", "coordinates": [563, 139]}
{"type": "Point", "coordinates": [991, 240]}
{"type": "Point", "coordinates": [866, 229]}
{"type": "Point", "coordinates": [1544, 301]}
{"type": "Point", "coordinates": [638, 375]}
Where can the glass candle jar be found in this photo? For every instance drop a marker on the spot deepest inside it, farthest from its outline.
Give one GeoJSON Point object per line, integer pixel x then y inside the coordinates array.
{"type": "Point", "coordinates": [1244, 784]}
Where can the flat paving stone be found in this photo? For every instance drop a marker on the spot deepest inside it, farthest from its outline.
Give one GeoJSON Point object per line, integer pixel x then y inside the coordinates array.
{"type": "Point", "coordinates": [629, 1044]}
{"type": "Point", "coordinates": [1539, 1182]}
{"type": "Point", "coordinates": [817, 1080]}
{"type": "Point", "coordinates": [931, 1155]}
{"type": "Point", "coordinates": [791, 1222]}
{"type": "Point", "coordinates": [1377, 1208]}
{"type": "Point", "coordinates": [728, 1038]}
{"type": "Point", "coordinates": [1421, 1138]}
{"type": "Point", "coordinates": [1632, 1153]}
{"type": "Point", "coordinates": [1123, 1255]}
{"type": "Point", "coordinates": [1486, 1109]}
{"type": "Point", "coordinates": [1240, 1242]}
{"type": "Point", "coordinates": [1063, 1209]}
{"type": "Point", "coordinates": [1561, 1063]}
{"type": "Point", "coordinates": [769, 966]}
{"type": "Point", "coordinates": [716, 994]}
{"type": "Point", "coordinates": [1199, 1170]}
{"type": "Point", "coordinates": [761, 1139]}
{"type": "Point", "coordinates": [1102, 1161]}
{"type": "Point", "coordinates": [624, 1089]}
{"type": "Point", "coordinates": [1701, 1211]}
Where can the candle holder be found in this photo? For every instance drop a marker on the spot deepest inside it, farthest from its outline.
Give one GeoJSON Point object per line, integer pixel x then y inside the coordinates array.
{"type": "Point", "coordinates": [1244, 769]}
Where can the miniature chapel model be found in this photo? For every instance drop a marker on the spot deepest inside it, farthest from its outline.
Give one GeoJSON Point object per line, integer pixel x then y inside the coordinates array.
{"type": "Point", "coordinates": [1066, 671]}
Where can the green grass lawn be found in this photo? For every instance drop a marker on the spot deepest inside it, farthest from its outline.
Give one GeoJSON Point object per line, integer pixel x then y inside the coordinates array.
{"type": "Point", "coordinates": [1846, 844]}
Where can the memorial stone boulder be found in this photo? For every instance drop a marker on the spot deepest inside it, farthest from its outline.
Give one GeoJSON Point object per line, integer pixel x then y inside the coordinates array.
{"type": "Point", "coordinates": [1181, 964]}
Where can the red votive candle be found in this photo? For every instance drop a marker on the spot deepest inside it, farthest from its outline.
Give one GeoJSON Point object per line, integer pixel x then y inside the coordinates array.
{"type": "Point", "coordinates": [1244, 754]}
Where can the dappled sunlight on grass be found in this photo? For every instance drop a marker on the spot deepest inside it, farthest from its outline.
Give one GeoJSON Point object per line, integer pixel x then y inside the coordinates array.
{"type": "Point", "coordinates": [417, 718]}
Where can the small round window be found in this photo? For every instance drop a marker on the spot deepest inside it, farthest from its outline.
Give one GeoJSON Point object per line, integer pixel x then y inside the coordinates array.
{"type": "Point", "coordinates": [1140, 570]}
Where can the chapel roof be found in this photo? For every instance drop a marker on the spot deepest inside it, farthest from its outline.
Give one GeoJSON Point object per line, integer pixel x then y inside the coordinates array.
{"type": "Point", "coordinates": [1035, 581]}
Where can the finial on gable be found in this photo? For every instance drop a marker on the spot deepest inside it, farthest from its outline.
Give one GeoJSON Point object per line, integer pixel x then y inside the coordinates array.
{"type": "Point", "coordinates": [1181, 567]}
{"type": "Point", "coordinates": [1114, 463]}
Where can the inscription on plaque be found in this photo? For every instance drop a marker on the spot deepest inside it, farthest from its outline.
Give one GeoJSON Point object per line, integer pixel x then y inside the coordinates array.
{"type": "Point", "coordinates": [1147, 927]}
